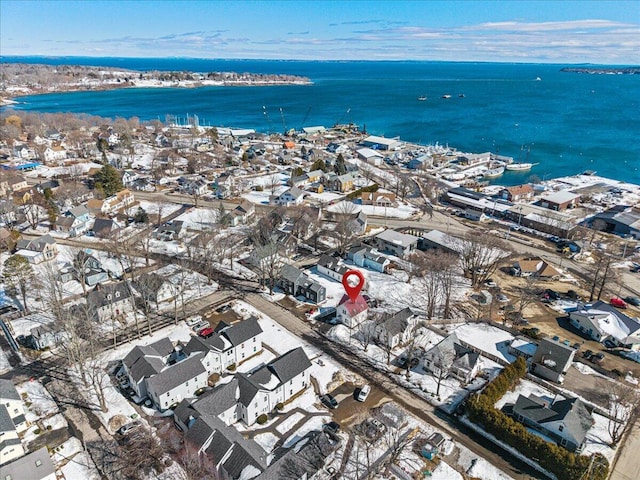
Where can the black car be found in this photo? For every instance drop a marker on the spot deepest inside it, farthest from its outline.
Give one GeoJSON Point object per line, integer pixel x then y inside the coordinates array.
{"type": "Point", "coordinates": [635, 301]}
{"type": "Point", "coordinates": [609, 343]}
{"type": "Point", "coordinates": [223, 309]}
{"type": "Point", "coordinates": [402, 362]}
{"type": "Point", "coordinates": [587, 354]}
{"type": "Point", "coordinates": [597, 358]}
{"type": "Point", "coordinates": [333, 427]}
{"type": "Point", "coordinates": [328, 401]}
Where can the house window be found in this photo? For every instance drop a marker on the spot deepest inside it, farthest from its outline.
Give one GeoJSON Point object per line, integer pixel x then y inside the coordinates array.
{"type": "Point", "coordinates": [265, 398]}
{"type": "Point", "coordinates": [38, 463]}
{"type": "Point", "coordinates": [117, 294]}
{"type": "Point", "coordinates": [109, 297]}
{"type": "Point", "coordinates": [561, 427]}
{"type": "Point", "coordinates": [255, 349]}
{"type": "Point", "coordinates": [254, 339]}
{"type": "Point", "coordinates": [563, 442]}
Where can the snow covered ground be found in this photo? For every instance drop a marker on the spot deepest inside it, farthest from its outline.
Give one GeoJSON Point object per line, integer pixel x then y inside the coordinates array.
{"type": "Point", "coordinates": [41, 404]}
{"type": "Point", "coordinates": [266, 440]}
{"type": "Point", "coordinates": [199, 219]}
{"type": "Point", "coordinates": [5, 366]}
{"type": "Point", "coordinates": [73, 462]}
{"type": "Point", "coordinates": [402, 211]}
{"type": "Point", "coordinates": [486, 338]}
{"type": "Point", "coordinates": [153, 208]}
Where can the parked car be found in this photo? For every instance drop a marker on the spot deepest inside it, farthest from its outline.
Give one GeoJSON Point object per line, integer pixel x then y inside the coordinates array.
{"type": "Point", "coordinates": [223, 309]}
{"type": "Point", "coordinates": [597, 358]}
{"type": "Point", "coordinates": [332, 427]}
{"type": "Point", "coordinates": [129, 427]}
{"type": "Point", "coordinates": [206, 332]}
{"type": "Point", "coordinates": [618, 303]}
{"type": "Point", "coordinates": [199, 326]}
{"type": "Point", "coordinates": [490, 283]}
{"type": "Point", "coordinates": [402, 362]}
{"type": "Point", "coordinates": [635, 301]}
{"type": "Point", "coordinates": [587, 354]}
{"type": "Point", "coordinates": [191, 321]}
{"type": "Point", "coordinates": [609, 343]}
{"type": "Point", "coordinates": [363, 393]}
{"type": "Point", "coordinates": [502, 298]}
{"type": "Point", "coordinates": [328, 401]}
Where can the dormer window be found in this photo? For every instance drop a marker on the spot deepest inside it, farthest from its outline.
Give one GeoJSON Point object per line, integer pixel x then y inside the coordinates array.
{"type": "Point", "coordinates": [561, 427]}
{"type": "Point", "coordinates": [117, 294]}
{"type": "Point", "coordinates": [109, 296]}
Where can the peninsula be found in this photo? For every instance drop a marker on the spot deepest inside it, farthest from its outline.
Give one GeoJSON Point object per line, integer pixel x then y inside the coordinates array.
{"type": "Point", "coordinates": [603, 71]}
{"type": "Point", "coordinates": [20, 79]}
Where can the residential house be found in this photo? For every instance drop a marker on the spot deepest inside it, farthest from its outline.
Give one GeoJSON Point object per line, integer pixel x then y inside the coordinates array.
{"type": "Point", "coordinates": [331, 267]}
{"type": "Point", "coordinates": [552, 360]}
{"type": "Point", "coordinates": [173, 230]}
{"type": "Point", "coordinates": [10, 445]}
{"type": "Point", "coordinates": [10, 398]}
{"type": "Point", "coordinates": [55, 154]}
{"type": "Point", "coordinates": [84, 268]}
{"type": "Point", "coordinates": [228, 345]}
{"type": "Point", "coordinates": [17, 183]}
{"type": "Point", "coordinates": [36, 465]}
{"type": "Point", "coordinates": [153, 288]}
{"type": "Point", "coordinates": [177, 381]}
{"type": "Point", "coordinates": [396, 243]}
{"type": "Point", "coordinates": [451, 358]}
{"type": "Point", "coordinates": [566, 421]}
{"type": "Point", "coordinates": [379, 199]}
{"type": "Point", "coordinates": [113, 204]}
{"type": "Point", "coordinates": [47, 335]}
{"type": "Point", "coordinates": [38, 250]}
{"type": "Point", "coordinates": [339, 183]}
{"type": "Point", "coordinates": [602, 321]}
{"type": "Point", "coordinates": [105, 227]}
{"type": "Point", "coordinates": [560, 200]}
{"type": "Point", "coordinates": [352, 312]}
{"type": "Point", "coordinates": [144, 361]}
{"type": "Point", "coordinates": [290, 197]}
{"type": "Point", "coordinates": [534, 267]}
{"type": "Point", "coordinates": [517, 193]}
{"type": "Point", "coordinates": [109, 301]}
{"type": "Point", "coordinates": [358, 224]}
{"type": "Point", "coordinates": [541, 219]}
{"type": "Point", "coordinates": [368, 257]}
{"type": "Point", "coordinates": [241, 215]}
{"type": "Point", "coordinates": [224, 186]}
{"type": "Point", "coordinates": [195, 187]}
{"type": "Point", "coordinates": [440, 241]}
{"type": "Point", "coordinates": [294, 281]}
{"type": "Point", "coordinates": [76, 222]}
{"type": "Point", "coordinates": [272, 384]}
{"type": "Point", "coordinates": [281, 244]}
{"type": "Point", "coordinates": [397, 328]}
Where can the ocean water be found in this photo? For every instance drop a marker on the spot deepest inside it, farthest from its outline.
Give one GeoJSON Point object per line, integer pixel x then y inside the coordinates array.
{"type": "Point", "coordinates": [567, 122]}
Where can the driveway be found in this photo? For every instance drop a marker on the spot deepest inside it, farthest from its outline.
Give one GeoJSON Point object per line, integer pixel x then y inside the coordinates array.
{"type": "Point", "coordinates": [350, 411]}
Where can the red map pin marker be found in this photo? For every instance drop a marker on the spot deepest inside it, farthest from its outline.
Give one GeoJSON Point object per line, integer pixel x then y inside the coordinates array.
{"type": "Point", "coordinates": [353, 290]}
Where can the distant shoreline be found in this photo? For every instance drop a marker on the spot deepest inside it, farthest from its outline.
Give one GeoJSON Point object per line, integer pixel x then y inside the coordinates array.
{"type": "Point", "coordinates": [603, 71]}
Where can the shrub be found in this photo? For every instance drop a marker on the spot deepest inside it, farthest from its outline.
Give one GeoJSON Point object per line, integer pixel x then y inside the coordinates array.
{"type": "Point", "coordinates": [358, 193]}
{"type": "Point", "coordinates": [49, 427]}
{"type": "Point", "coordinates": [279, 406]}
{"type": "Point", "coordinates": [231, 367]}
{"type": "Point", "coordinates": [37, 431]}
{"type": "Point", "coordinates": [259, 188]}
{"type": "Point", "coordinates": [262, 419]}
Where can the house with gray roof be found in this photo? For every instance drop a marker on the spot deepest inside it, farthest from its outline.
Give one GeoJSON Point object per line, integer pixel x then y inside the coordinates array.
{"type": "Point", "coordinates": [38, 250]}
{"type": "Point", "coordinates": [552, 360]}
{"type": "Point", "coordinates": [396, 243]}
{"type": "Point", "coordinates": [10, 445]}
{"type": "Point", "coordinates": [10, 398]}
{"type": "Point", "coordinates": [368, 257]}
{"type": "Point", "coordinates": [229, 344]}
{"type": "Point", "coordinates": [76, 221]}
{"type": "Point", "coordinates": [290, 197]}
{"type": "Point", "coordinates": [331, 267]}
{"type": "Point", "coordinates": [274, 383]}
{"type": "Point", "coordinates": [565, 420]}
{"type": "Point", "coordinates": [396, 329]}
{"type": "Point", "coordinates": [602, 321]}
{"type": "Point", "coordinates": [144, 361]}
{"type": "Point", "coordinates": [178, 381]}
{"type": "Point", "coordinates": [294, 281]}
{"type": "Point", "coordinates": [33, 466]}
{"type": "Point", "coordinates": [451, 358]}
{"type": "Point", "coordinates": [109, 301]}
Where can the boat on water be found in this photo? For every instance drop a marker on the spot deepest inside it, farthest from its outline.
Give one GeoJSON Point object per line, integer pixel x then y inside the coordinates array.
{"type": "Point", "coordinates": [422, 98]}
{"type": "Point", "coordinates": [446, 96]}
{"type": "Point", "coordinates": [589, 173]}
{"type": "Point", "coordinates": [461, 95]}
{"type": "Point", "coordinates": [538, 79]}
{"type": "Point", "coordinates": [520, 167]}
{"type": "Point", "coordinates": [493, 172]}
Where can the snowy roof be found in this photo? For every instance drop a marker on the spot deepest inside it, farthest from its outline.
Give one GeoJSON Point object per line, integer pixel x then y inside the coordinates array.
{"type": "Point", "coordinates": [397, 238]}
{"type": "Point", "coordinates": [368, 153]}
{"type": "Point", "coordinates": [612, 324]}
{"type": "Point", "coordinates": [353, 308]}
{"type": "Point", "coordinates": [563, 196]}
{"type": "Point", "coordinates": [372, 139]}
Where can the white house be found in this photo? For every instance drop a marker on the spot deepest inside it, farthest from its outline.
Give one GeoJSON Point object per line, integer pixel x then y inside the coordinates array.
{"type": "Point", "coordinates": [370, 156]}
{"type": "Point", "coordinates": [290, 197]}
{"type": "Point", "coordinates": [10, 445]}
{"type": "Point", "coordinates": [38, 250]}
{"type": "Point", "coordinates": [396, 243]}
{"type": "Point", "coordinates": [10, 398]}
{"type": "Point", "coordinates": [228, 345]}
{"type": "Point", "coordinates": [55, 154]}
{"type": "Point", "coordinates": [602, 321]}
{"type": "Point", "coordinates": [274, 383]}
{"type": "Point", "coordinates": [397, 328]}
{"type": "Point", "coordinates": [144, 361]}
{"type": "Point", "coordinates": [177, 382]}
{"type": "Point", "coordinates": [331, 267]}
{"type": "Point", "coordinates": [352, 313]}
{"type": "Point", "coordinates": [33, 466]}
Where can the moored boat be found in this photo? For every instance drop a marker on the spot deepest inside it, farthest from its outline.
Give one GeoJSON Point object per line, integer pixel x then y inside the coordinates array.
{"type": "Point", "coordinates": [422, 98]}
{"type": "Point", "coordinates": [446, 96]}
{"type": "Point", "coordinates": [519, 167]}
{"type": "Point", "coordinates": [493, 172]}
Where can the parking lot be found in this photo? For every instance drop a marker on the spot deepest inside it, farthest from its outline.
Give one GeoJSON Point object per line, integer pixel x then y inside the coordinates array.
{"type": "Point", "coordinates": [350, 411]}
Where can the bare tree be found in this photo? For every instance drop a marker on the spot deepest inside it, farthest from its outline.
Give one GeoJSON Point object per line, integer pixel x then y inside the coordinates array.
{"type": "Point", "coordinates": [623, 408]}
{"type": "Point", "coordinates": [273, 182]}
{"type": "Point", "coordinates": [141, 455]}
{"type": "Point", "coordinates": [480, 254]}
{"type": "Point", "coordinates": [601, 272]}
{"type": "Point", "coordinates": [366, 334]}
{"type": "Point", "coordinates": [396, 439]}
{"type": "Point", "coordinates": [448, 263]}
{"type": "Point", "coordinates": [195, 466]}
{"type": "Point", "coordinates": [344, 232]}
{"type": "Point", "coordinates": [527, 293]}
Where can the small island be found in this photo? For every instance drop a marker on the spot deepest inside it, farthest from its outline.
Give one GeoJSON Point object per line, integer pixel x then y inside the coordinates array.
{"type": "Point", "coordinates": [603, 70]}
{"type": "Point", "coordinates": [18, 79]}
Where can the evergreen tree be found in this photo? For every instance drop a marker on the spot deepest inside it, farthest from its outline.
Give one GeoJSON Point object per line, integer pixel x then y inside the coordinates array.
{"type": "Point", "coordinates": [19, 276]}
{"type": "Point", "coordinates": [141, 216]}
{"type": "Point", "coordinates": [319, 165]}
{"type": "Point", "coordinates": [340, 167]}
{"type": "Point", "coordinates": [108, 180]}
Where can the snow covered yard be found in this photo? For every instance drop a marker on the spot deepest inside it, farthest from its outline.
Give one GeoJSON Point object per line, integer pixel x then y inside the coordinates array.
{"type": "Point", "coordinates": [72, 462]}
{"type": "Point", "coordinates": [199, 219]}
{"type": "Point", "coordinates": [37, 400]}
{"type": "Point", "coordinates": [403, 211]}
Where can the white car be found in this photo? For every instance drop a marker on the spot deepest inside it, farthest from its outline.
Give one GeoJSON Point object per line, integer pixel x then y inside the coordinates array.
{"type": "Point", "coordinates": [363, 393]}
{"type": "Point", "coordinates": [191, 321]}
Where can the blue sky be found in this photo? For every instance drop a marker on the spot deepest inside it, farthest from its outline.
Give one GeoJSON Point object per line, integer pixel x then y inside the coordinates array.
{"type": "Point", "coordinates": [605, 32]}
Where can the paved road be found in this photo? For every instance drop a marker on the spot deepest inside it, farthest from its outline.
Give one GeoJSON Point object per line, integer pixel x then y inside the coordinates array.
{"type": "Point", "coordinates": [413, 403]}
{"type": "Point", "coordinates": [627, 466]}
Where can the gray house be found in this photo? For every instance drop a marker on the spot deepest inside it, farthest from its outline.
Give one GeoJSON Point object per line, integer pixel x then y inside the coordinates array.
{"type": "Point", "coordinates": [109, 301]}
{"type": "Point", "coordinates": [450, 357]}
{"type": "Point", "coordinates": [566, 421]}
{"type": "Point", "coordinates": [396, 329]}
{"type": "Point", "coordinates": [552, 360]}
{"type": "Point", "coordinates": [396, 243]}
{"type": "Point", "coordinates": [294, 281]}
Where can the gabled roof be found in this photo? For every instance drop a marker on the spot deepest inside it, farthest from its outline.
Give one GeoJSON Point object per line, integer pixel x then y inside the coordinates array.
{"type": "Point", "coordinates": [37, 244]}
{"type": "Point", "coordinates": [240, 332]}
{"type": "Point", "coordinates": [33, 466]}
{"type": "Point", "coordinates": [199, 344]}
{"type": "Point", "coordinates": [6, 424]}
{"type": "Point", "coordinates": [177, 374]}
{"type": "Point", "coordinates": [290, 273]}
{"type": "Point", "coordinates": [291, 364]}
{"type": "Point", "coordinates": [553, 355]}
{"type": "Point", "coordinates": [78, 211]}
{"type": "Point", "coordinates": [100, 298]}
{"type": "Point", "coordinates": [8, 390]}
{"type": "Point", "coordinates": [573, 412]}
{"type": "Point", "coordinates": [517, 190]}
{"type": "Point", "coordinates": [353, 308]}
{"type": "Point", "coordinates": [396, 323]}
{"type": "Point", "coordinates": [397, 238]}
